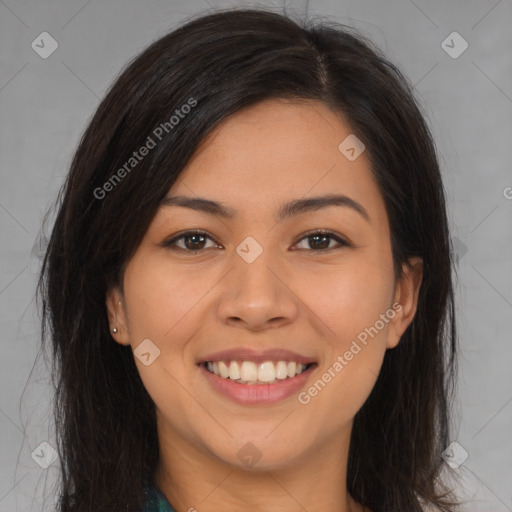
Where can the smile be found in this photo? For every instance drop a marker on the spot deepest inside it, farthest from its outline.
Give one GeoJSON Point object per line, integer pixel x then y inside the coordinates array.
{"type": "Point", "coordinates": [264, 383]}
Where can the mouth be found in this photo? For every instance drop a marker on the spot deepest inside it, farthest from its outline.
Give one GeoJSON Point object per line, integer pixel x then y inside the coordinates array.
{"type": "Point", "coordinates": [248, 377]}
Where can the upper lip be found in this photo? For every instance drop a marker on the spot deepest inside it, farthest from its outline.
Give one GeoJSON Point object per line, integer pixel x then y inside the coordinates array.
{"type": "Point", "coordinates": [258, 356]}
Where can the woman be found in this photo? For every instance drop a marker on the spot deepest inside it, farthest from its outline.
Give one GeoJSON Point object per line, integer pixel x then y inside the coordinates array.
{"type": "Point", "coordinates": [248, 284]}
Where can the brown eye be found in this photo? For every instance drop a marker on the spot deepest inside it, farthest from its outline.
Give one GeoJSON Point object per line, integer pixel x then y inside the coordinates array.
{"type": "Point", "coordinates": [320, 241]}
{"type": "Point", "coordinates": [192, 241]}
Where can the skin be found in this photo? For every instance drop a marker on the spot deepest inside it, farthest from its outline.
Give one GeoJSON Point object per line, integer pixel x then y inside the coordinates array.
{"type": "Point", "coordinates": [293, 296]}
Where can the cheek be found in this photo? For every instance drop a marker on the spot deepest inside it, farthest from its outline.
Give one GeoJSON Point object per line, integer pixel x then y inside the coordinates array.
{"type": "Point", "coordinates": [161, 305]}
{"type": "Point", "coordinates": [349, 298]}
{"type": "Point", "coordinates": [351, 301]}
{"type": "Point", "coordinates": [160, 298]}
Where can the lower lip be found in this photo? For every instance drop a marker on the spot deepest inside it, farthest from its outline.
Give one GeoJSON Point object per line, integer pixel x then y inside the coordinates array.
{"type": "Point", "coordinates": [257, 394]}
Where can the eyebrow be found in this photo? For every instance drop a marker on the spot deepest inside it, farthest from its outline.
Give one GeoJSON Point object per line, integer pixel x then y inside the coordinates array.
{"type": "Point", "coordinates": [295, 207]}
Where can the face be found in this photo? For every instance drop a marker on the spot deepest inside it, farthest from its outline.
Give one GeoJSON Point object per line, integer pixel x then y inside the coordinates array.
{"type": "Point", "coordinates": [268, 287]}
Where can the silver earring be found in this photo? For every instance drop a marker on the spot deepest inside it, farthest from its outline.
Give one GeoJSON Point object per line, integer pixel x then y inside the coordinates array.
{"type": "Point", "coordinates": [114, 330]}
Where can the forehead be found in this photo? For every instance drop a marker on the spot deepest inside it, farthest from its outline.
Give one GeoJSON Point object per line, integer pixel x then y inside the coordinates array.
{"type": "Point", "coordinates": [278, 150]}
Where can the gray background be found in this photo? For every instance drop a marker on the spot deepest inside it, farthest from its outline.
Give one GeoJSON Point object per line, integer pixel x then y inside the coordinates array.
{"type": "Point", "coordinates": [46, 103]}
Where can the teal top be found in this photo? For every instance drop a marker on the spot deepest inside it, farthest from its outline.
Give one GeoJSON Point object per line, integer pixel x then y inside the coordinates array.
{"type": "Point", "coordinates": [155, 500]}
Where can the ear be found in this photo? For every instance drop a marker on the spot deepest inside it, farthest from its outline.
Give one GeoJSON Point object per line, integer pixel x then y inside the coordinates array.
{"type": "Point", "coordinates": [406, 299]}
{"type": "Point", "coordinates": [117, 316]}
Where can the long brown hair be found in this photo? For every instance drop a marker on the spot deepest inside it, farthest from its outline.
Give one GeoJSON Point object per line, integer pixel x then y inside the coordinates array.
{"type": "Point", "coordinates": [225, 61]}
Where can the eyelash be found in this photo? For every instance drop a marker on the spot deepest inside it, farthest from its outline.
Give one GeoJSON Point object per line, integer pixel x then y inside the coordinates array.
{"type": "Point", "coordinates": [171, 244]}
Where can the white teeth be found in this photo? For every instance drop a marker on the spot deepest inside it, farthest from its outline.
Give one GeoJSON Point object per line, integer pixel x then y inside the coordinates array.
{"type": "Point", "coordinates": [248, 372]}
{"type": "Point", "coordinates": [234, 370]}
{"type": "Point", "coordinates": [281, 370]}
{"type": "Point", "coordinates": [291, 369]}
{"type": "Point", "coordinates": [266, 372]}
{"type": "Point", "coordinates": [223, 369]}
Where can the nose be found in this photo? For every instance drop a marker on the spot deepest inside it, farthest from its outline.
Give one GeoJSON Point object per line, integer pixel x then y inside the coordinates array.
{"type": "Point", "coordinates": [257, 295]}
